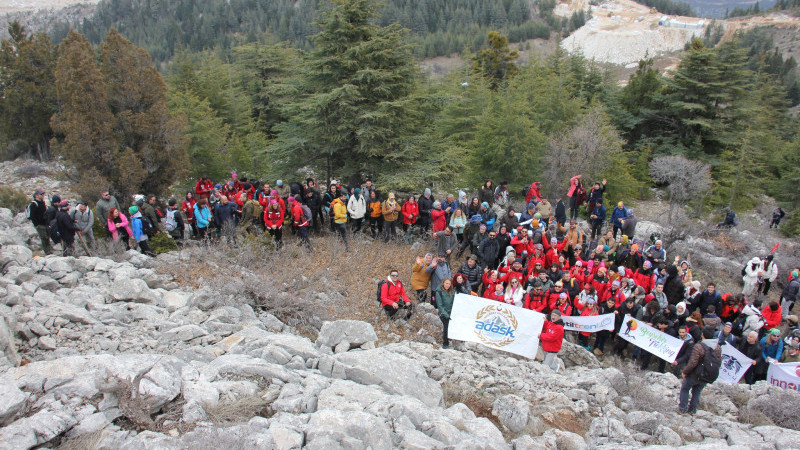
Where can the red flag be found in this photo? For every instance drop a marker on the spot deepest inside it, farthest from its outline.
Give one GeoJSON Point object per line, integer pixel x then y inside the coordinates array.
{"type": "Point", "coordinates": [775, 248]}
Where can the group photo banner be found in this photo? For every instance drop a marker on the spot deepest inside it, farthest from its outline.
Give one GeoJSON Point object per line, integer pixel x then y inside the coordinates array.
{"type": "Point", "coordinates": [733, 366]}
{"type": "Point", "coordinates": [589, 324]}
{"type": "Point", "coordinates": [496, 325]}
{"type": "Point", "coordinates": [648, 338]}
{"type": "Point", "coordinates": [785, 375]}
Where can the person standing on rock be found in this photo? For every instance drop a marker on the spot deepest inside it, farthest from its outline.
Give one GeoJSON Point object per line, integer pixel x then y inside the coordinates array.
{"type": "Point", "coordinates": [138, 231]}
{"type": "Point", "coordinates": [84, 219]}
{"type": "Point", "coordinates": [36, 213]}
{"type": "Point", "coordinates": [104, 205]}
{"type": "Point", "coordinates": [66, 228]}
{"type": "Point", "coordinates": [692, 373]}
{"type": "Point", "coordinates": [444, 303]}
{"type": "Point", "coordinates": [552, 337]}
{"type": "Point", "coordinates": [421, 276]}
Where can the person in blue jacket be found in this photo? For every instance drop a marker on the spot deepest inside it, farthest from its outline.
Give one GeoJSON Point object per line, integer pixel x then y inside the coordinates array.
{"type": "Point", "coordinates": [597, 218]}
{"type": "Point", "coordinates": [619, 214]}
{"type": "Point", "coordinates": [771, 352]}
{"type": "Point", "coordinates": [138, 231]}
{"type": "Point", "coordinates": [202, 217]}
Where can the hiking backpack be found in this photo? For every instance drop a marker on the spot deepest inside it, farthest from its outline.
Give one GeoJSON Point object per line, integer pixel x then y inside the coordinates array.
{"type": "Point", "coordinates": [147, 226]}
{"type": "Point", "coordinates": [738, 325]}
{"type": "Point", "coordinates": [170, 223]}
{"type": "Point", "coordinates": [28, 210]}
{"type": "Point", "coordinates": [307, 212]}
{"type": "Point", "coordinates": [708, 370]}
{"type": "Point", "coordinates": [380, 287]}
{"type": "Point", "coordinates": [52, 229]}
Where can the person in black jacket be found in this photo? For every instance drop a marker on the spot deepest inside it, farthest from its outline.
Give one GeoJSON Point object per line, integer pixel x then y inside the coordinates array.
{"type": "Point", "coordinates": [425, 204]}
{"type": "Point", "coordinates": [561, 211]}
{"type": "Point", "coordinates": [751, 348]}
{"type": "Point", "coordinates": [488, 251]}
{"type": "Point", "coordinates": [473, 272]}
{"type": "Point", "coordinates": [673, 286]}
{"type": "Point", "coordinates": [51, 211]}
{"type": "Point", "coordinates": [66, 228]}
{"type": "Point", "coordinates": [709, 297]}
{"type": "Point", "coordinates": [313, 200]}
{"type": "Point", "coordinates": [37, 209]}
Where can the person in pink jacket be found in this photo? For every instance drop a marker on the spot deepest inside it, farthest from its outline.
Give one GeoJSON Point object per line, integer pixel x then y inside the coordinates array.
{"type": "Point", "coordinates": [120, 227]}
{"type": "Point", "coordinates": [572, 194]}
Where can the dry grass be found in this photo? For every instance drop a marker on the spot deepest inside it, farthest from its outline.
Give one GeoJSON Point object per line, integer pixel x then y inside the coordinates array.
{"type": "Point", "coordinates": [88, 441]}
{"type": "Point", "coordinates": [238, 411]}
{"type": "Point", "coordinates": [303, 288]}
{"type": "Point", "coordinates": [631, 384]}
{"type": "Point", "coordinates": [780, 407]}
{"type": "Point", "coordinates": [476, 400]}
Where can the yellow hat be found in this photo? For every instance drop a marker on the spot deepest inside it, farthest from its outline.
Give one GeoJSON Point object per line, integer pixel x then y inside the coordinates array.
{"type": "Point", "coordinates": [619, 204]}
{"type": "Point", "coordinates": [535, 223]}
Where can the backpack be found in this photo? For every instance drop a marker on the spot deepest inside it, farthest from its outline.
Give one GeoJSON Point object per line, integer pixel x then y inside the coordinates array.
{"type": "Point", "coordinates": [708, 370]}
{"type": "Point", "coordinates": [147, 226]}
{"type": "Point", "coordinates": [738, 325]}
{"type": "Point", "coordinates": [380, 287]}
{"type": "Point", "coordinates": [28, 210]}
{"type": "Point", "coordinates": [525, 191]}
{"type": "Point", "coordinates": [52, 227]}
{"type": "Point", "coordinates": [169, 221]}
{"type": "Point", "coordinates": [744, 270]}
{"type": "Point", "coordinates": [307, 212]}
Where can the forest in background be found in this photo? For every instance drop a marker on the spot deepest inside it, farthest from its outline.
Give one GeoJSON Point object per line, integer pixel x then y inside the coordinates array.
{"type": "Point", "coordinates": [355, 104]}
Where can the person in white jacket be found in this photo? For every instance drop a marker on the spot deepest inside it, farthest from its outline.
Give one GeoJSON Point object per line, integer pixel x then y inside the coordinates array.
{"type": "Point", "coordinates": [754, 322]}
{"type": "Point", "coordinates": [357, 208]}
{"type": "Point", "coordinates": [750, 278]}
{"type": "Point", "coordinates": [514, 292]}
{"type": "Point", "coordinates": [769, 273]}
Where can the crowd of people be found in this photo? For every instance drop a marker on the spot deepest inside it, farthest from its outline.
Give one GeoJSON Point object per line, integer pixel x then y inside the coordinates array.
{"type": "Point", "coordinates": [540, 258]}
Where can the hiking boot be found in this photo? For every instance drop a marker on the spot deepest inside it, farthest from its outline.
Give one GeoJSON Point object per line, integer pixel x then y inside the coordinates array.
{"type": "Point", "coordinates": [446, 346]}
{"type": "Point", "coordinates": [598, 352]}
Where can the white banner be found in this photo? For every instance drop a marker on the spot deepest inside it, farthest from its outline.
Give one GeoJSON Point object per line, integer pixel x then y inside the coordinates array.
{"type": "Point", "coordinates": [496, 325]}
{"type": "Point", "coordinates": [734, 365]}
{"type": "Point", "coordinates": [589, 324]}
{"type": "Point", "coordinates": [785, 375]}
{"type": "Point", "coordinates": [648, 338]}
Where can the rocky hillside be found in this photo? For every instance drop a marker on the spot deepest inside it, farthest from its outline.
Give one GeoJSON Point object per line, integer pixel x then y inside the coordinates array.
{"type": "Point", "coordinates": [115, 353]}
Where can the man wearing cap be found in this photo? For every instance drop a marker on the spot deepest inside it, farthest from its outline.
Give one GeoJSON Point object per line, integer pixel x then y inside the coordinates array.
{"type": "Point", "coordinates": [284, 191]}
{"type": "Point", "coordinates": [690, 374]}
{"type": "Point", "coordinates": [66, 228]}
{"type": "Point", "coordinates": [425, 207]}
{"type": "Point", "coordinates": [36, 211]}
{"type": "Point", "coordinates": [597, 218]}
{"type": "Point", "coordinates": [618, 215]}
{"type": "Point", "coordinates": [439, 217]}
{"type": "Point", "coordinates": [52, 210]}
{"type": "Point", "coordinates": [488, 217]}
{"type": "Point", "coordinates": [771, 349]}
{"type": "Point", "coordinates": [84, 219]}
{"type": "Point", "coordinates": [552, 337]}
{"type": "Point", "coordinates": [656, 254]}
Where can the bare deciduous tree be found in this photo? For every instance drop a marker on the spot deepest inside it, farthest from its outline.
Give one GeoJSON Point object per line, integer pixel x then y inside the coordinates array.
{"type": "Point", "coordinates": [587, 148]}
{"type": "Point", "coordinates": [686, 179]}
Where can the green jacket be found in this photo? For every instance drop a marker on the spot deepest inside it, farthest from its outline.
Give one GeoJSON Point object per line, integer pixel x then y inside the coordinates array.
{"type": "Point", "coordinates": [444, 302]}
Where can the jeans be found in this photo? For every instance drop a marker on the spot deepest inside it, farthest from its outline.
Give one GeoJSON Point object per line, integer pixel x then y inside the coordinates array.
{"type": "Point", "coordinates": [763, 288]}
{"type": "Point", "coordinates": [445, 324]}
{"type": "Point", "coordinates": [696, 387]}
{"type": "Point", "coordinates": [341, 228]}
{"type": "Point", "coordinates": [390, 230]}
{"type": "Point", "coordinates": [376, 226]}
{"type": "Point", "coordinates": [401, 305]}
{"type": "Point", "coordinates": [573, 208]}
{"type": "Point", "coordinates": [786, 307]}
{"type": "Point", "coordinates": [600, 340]}
{"type": "Point", "coordinates": [303, 231]}
{"type": "Point", "coordinates": [596, 230]}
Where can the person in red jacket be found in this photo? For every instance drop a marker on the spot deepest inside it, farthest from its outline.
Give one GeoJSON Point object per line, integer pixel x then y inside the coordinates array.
{"type": "Point", "coordinates": [273, 219]}
{"type": "Point", "coordinates": [589, 310]}
{"type": "Point", "coordinates": [552, 337]}
{"type": "Point", "coordinates": [299, 220]}
{"type": "Point", "coordinates": [600, 283]}
{"type": "Point", "coordinates": [645, 277]}
{"type": "Point", "coordinates": [187, 206]}
{"type": "Point", "coordinates": [536, 299]}
{"type": "Point", "coordinates": [614, 293]}
{"type": "Point", "coordinates": [203, 188]}
{"type": "Point", "coordinates": [516, 271]}
{"type": "Point", "coordinates": [490, 280]}
{"type": "Point", "coordinates": [394, 298]}
{"type": "Point", "coordinates": [562, 305]}
{"type": "Point", "coordinates": [533, 192]}
{"type": "Point", "coordinates": [522, 245]}
{"type": "Point", "coordinates": [410, 213]}
{"type": "Point", "coordinates": [495, 292]}
{"type": "Point", "coordinates": [553, 294]}
{"type": "Point", "coordinates": [552, 249]}
{"type": "Point", "coordinates": [439, 217]}
{"type": "Point", "coordinates": [772, 315]}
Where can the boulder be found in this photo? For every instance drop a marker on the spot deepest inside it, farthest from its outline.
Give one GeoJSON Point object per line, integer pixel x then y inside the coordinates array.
{"type": "Point", "coordinates": [16, 253]}
{"type": "Point", "coordinates": [354, 332]}
{"type": "Point", "coordinates": [512, 411]}
{"type": "Point", "coordinates": [566, 440]}
{"type": "Point", "coordinates": [131, 290]}
{"type": "Point", "coordinates": [666, 436]}
{"type": "Point", "coordinates": [185, 333]}
{"type": "Point", "coordinates": [162, 383]}
{"type": "Point", "coordinates": [395, 373]}
{"type": "Point", "coordinates": [346, 429]}
{"type": "Point", "coordinates": [574, 355]}
{"type": "Point", "coordinates": [36, 430]}
{"type": "Point", "coordinates": [13, 401]}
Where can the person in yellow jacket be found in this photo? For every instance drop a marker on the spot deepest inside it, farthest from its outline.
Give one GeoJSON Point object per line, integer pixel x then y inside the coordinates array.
{"type": "Point", "coordinates": [340, 216]}
{"type": "Point", "coordinates": [391, 212]}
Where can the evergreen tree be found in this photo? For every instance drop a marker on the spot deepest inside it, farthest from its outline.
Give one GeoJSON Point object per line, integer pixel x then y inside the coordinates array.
{"type": "Point", "coordinates": [496, 63]}
{"type": "Point", "coordinates": [27, 93]}
{"type": "Point", "coordinates": [357, 105]}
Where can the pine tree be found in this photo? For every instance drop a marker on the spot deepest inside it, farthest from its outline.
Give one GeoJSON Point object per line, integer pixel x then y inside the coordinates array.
{"type": "Point", "coordinates": [27, 92]}
{"type": "Point", "coordinates": [496, 63]}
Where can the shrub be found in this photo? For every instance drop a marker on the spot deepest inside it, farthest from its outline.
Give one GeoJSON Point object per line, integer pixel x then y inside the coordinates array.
{"type": "Point", "coordinates": [162, 243]}
{"type": "Point", "coordinates": [13, 199]}
{"type": "Point", "coordinates": [31, 170]}
{"type": "Point", "coordinates": [781, 407]}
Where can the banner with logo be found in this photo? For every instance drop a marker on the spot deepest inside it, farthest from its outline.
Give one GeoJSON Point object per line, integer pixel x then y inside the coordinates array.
{"type": "Point", "coordinates": [496, 325]}
{"type": "Point", "coordinates": [589, 324]}
{"type": "Point", "coordinates": [785, 375]}
{"type": "Point", "coordinates": [734, 365]}
{"type": "Point", "coordinates": [648, 338]}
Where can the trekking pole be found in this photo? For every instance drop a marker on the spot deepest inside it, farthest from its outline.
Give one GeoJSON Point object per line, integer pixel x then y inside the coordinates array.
{"type": "Point", "coordinates": [85, 247]}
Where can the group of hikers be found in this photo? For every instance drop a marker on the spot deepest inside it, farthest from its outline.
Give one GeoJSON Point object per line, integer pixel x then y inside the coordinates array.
{"type": "Point", "coordinates": [539, 258]}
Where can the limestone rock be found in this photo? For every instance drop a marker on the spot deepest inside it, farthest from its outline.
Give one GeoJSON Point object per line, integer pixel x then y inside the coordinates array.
{"type": "Point", "coordinates": [329, 429]}
{"type": "Point", "coordinates": [12, 402]}
{"type": "Point", "coordinates": [355, 332]}
{"type": "Point", "coordinates": [512, 411]}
